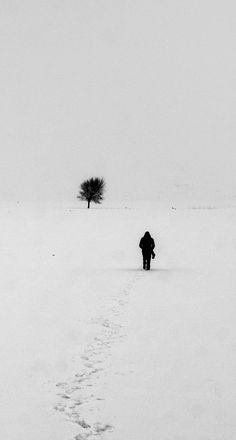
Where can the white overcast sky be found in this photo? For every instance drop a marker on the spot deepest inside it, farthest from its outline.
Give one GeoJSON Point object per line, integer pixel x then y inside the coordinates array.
{"type": "Point", "coordinates": [141, 92]}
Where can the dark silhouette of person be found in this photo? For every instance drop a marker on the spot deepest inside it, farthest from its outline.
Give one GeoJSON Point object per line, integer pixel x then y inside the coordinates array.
{"type": "Point", "coordinates": [147, 245]}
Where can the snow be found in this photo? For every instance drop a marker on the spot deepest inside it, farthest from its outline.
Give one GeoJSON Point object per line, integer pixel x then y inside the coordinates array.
{"type": "Point", "coordinates": [92, 346]}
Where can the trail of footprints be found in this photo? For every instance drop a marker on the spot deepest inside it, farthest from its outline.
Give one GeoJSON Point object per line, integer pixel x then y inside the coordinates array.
{"type": "Point", "coordinates": [80, 398]}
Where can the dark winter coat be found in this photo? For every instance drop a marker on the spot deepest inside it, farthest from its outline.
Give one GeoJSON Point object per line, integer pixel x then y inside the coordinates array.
{"type": "Point", "coordinates": [147, 244]}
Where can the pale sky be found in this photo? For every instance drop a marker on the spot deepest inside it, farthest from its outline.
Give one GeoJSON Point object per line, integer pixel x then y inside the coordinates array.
{"type": "Point", "coordinates": [140, 92]}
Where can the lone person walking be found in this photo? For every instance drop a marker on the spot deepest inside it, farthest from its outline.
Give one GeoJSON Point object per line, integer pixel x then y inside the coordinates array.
{"type": "Point", "coordinates": [147, 245]}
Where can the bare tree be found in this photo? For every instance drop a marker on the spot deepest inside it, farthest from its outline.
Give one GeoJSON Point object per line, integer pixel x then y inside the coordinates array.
{"type": "Point", "coordinates": [92, 190]}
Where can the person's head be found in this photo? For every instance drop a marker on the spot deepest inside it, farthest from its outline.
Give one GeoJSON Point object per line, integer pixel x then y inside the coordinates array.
{"type": "Point", "coordinates": [147, 234]}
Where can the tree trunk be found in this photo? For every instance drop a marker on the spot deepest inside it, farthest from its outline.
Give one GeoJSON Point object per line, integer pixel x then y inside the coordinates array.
{"type": "Point", "coordinates": [88, 204]}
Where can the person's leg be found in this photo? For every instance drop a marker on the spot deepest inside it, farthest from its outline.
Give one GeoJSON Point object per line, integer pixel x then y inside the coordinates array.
{"type": "Point", "coordinates": [148, 261]}
{"type": "Point", "coordinates": [144, 261]}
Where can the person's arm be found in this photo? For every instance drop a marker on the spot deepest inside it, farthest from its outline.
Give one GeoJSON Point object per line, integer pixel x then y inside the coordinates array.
{"type": "Point", "coordinates": [141, 243]}
{"type": "Point", "coordinates": [153, 244]}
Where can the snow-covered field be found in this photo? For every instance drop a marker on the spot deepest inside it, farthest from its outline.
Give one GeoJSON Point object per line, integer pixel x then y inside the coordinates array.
{"type": "Point", "coordinates": [94, 347]}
